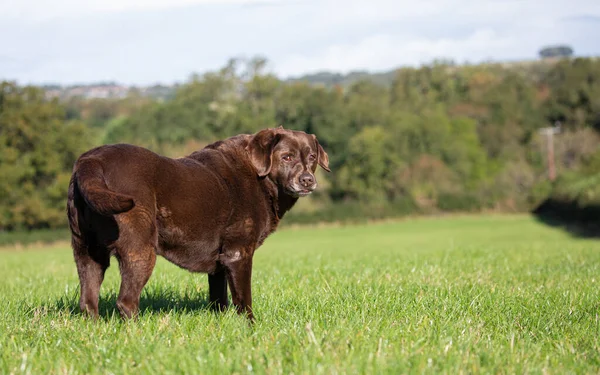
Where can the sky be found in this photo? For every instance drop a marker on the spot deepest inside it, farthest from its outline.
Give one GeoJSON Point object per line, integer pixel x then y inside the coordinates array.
{"type": "Point", "coordinates": [144, 42]}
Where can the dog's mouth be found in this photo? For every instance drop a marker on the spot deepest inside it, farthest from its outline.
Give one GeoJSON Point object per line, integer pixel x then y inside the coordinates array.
{"type": "Point", "coordinates": [304, 193]}
{"type": "Point", "coordinates": [297, 193]}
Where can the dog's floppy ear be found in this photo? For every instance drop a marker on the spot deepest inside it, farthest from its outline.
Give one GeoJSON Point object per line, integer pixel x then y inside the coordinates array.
{"type": "Point", "coordinates": [260, 150]}
{"type": "Point", "coordinates": [322, 157]}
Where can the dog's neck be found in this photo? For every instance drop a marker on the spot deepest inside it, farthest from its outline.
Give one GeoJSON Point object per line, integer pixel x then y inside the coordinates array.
{"type": "Point", "coordinates": [280, 201]}
{"type": "Point", "coordinates": [285, 202]}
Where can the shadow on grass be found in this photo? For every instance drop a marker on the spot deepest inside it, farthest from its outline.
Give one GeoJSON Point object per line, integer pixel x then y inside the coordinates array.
{"type": "Point", "coordinates": [583, 222]}
{"type": "Point", "coordinates": [151, 302]}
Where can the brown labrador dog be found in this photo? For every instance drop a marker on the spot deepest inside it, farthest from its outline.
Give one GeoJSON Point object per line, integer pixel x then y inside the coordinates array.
{"type": "Point", "coordinates": [206, 212]}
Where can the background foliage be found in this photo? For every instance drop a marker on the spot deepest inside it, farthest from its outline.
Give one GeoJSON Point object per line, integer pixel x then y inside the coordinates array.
{"type": "Point", "coordinates": [437, 138]}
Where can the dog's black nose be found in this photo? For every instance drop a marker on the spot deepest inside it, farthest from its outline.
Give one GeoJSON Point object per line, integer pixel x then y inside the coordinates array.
{"type": "Point", "coordinates": [307, 180]}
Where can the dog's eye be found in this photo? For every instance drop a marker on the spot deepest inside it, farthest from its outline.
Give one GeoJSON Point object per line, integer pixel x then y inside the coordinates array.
{"type": "Point", "coordinates": [312, 157]}
{"type": "Point", "coordinates": [287, 157]}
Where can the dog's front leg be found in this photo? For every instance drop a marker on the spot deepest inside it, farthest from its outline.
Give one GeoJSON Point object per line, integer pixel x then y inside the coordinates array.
{"type": "Point", "coordinates": [238, 269]}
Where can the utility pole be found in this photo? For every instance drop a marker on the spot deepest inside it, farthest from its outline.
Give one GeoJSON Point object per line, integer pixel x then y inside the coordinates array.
{"type": "Point", "coordinates": [549, 133]}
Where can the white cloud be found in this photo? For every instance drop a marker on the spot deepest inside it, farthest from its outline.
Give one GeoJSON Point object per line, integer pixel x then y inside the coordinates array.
{"type": "Point", "coordinates": [381, 52]}
{"type": "Point", "coordinates": [352, 13]}
{"type": "Point", "coordinates": [495, 30]}
{"type": "Point", "coordinates": [39, 10]}
{"type": "Point", "coordinates": [141, 41]}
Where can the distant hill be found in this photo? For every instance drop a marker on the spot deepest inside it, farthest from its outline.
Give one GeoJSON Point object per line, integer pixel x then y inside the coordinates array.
{"type": "Point", "coordinates": [329, 79]}
{"type": "Point", "coordinates": [112, 90]}
{"type": "Point", "coordinates": [532, 68]}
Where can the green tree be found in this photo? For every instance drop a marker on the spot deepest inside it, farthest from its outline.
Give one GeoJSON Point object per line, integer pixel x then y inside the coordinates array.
{"type": "Point", "coordinates": [575, 93]}
{"type": "Point", "coordinates": [371, 162]}
{"type": "Point", "coordinates": [37, 151]}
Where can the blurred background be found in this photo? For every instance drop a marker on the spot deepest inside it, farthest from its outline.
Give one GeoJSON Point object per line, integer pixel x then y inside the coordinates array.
{"type": "Point", "coordinates": [424, 108]}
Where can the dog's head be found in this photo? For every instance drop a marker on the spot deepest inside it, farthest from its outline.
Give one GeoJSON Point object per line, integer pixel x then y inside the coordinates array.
{"type": "Point", "coordinates": [289, 158]}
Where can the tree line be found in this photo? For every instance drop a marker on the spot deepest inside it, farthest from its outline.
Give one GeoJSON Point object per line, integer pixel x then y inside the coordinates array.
{"type": "Point", "coordinates": [440, 137]}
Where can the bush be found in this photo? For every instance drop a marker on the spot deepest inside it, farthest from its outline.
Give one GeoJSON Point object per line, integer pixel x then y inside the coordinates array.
{"type": "Point", "coordinates": [459, 202]}
{"type": "Point", "coordinates": [354, 212]}
{"type": "Point", "coordinates": [575, 196]}
{"type": "Point", "coordinates": [31, 237]}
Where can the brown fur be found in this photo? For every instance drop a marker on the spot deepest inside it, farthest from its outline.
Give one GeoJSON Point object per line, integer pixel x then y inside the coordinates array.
{"type": "Point", "coordinates": [207, 212]}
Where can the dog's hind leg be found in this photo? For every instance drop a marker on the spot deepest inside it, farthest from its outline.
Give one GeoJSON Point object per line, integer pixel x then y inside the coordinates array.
{"type": "Point", "coordinates": [136, 268]}
{"type": "Point", "coordinates": [136, 252]}
{"type": "Point", "coordinates": [92, 261]}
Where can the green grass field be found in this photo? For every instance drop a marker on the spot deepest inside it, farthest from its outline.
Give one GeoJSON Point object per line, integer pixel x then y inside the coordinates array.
{"type": "Point", "coordinates": [487, 294]}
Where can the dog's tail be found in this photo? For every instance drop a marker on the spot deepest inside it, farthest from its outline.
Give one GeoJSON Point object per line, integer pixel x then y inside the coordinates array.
{"type": "Point", "coordinates": [89, 179]}
{"type": "Point", "coordinates": [73, 202]}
